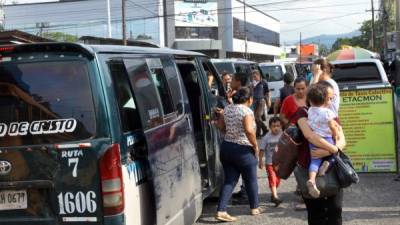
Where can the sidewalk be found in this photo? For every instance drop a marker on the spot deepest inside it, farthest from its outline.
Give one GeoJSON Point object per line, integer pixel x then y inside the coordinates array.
{"type": "Point", "coordinates": [374, 201]}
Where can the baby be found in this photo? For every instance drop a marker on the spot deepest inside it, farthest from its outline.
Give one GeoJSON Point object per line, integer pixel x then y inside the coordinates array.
{"type": "Point", "coordinates": [321, 121]}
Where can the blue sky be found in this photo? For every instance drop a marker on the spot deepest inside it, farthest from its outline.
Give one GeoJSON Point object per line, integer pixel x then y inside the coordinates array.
{"type": "Point", "coordinates": [311, 17]}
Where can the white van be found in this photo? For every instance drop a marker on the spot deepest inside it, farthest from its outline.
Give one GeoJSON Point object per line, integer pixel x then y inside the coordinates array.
{"type": "Point", "coordinates": [274, 72]}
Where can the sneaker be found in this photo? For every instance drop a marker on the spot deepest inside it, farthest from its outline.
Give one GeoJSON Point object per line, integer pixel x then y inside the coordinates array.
{"type": "Point", "coordinates": [225, 217]}
{"type": "Point", "coordinates": [312, 189]}
{"type": "Point", "coordinates": [276, 201]}
{"type": "Point", "coordinates": [323, 168]}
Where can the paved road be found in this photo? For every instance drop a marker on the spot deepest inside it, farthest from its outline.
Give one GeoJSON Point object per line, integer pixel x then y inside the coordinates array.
{"type": "Point", "coordinates": [374, 201]}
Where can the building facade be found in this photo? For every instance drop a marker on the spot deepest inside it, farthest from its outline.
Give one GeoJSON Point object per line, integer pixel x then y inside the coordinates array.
{"type": "Point", "coordinates": [219, 28]}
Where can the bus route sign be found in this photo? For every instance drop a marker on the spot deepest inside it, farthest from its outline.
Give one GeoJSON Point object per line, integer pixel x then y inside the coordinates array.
{"type": "Point", "coordinates": [368, 121]}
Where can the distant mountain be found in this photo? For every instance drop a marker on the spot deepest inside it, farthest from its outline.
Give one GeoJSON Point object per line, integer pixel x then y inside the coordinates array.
{"type": "Point", "coordinates": [328, 40]}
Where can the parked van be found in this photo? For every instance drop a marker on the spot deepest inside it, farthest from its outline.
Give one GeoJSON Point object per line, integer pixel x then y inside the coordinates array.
{"type": "Point", "coordinates": [274, 72]}
{"type": "Point", "coordinates": [234, 65]}
{"type": "Point", "coordinates": [105, 135]}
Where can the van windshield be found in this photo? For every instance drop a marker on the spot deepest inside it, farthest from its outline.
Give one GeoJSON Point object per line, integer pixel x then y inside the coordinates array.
{"type": "Point", "coordinates": [224, 67]}
{"type": "Point", "coordinates": [356, 72]}
{"type": "Point", "coordinates": [274, 73]}
{"type": "Point", "coordinates": [44, 102]}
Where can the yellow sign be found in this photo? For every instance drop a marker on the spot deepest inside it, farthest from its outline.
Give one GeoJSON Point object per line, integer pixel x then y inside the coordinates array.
{"type": "Point", "coordinates": [368, 121]}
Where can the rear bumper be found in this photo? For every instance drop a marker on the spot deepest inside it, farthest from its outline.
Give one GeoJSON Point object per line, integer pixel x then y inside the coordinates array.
{"type": "Point", "coordinates": [115, 220]}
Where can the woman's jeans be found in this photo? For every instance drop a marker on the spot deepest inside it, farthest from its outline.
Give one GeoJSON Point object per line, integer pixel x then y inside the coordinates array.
{"type": "Point", "coordinates": [238, 160]}
{"type": "Point", "coordinates": [325, 211]}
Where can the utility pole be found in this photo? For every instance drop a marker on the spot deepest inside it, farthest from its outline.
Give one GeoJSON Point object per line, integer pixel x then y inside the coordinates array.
{"type": "Point", "coordinates": [397, 5]}
{"type": "Point", "coordinates": [385, 22]}
{"type": "Point", "coordinates": [300, 49]}
{"type": "Point", "coordinates": [245, 29]}
{"type": "Point", "coordinates": [373, 26]}
{"type": "Point", "coordinates": [109, 19]}
{"type": "Point", "coordinates": [2, 16]}
{"type": "Point", "coordinates": [124, 41]}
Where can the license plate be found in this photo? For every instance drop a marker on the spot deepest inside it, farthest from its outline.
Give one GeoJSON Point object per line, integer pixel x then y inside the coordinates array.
{"type": "Point", "coordinates": [13, 200]}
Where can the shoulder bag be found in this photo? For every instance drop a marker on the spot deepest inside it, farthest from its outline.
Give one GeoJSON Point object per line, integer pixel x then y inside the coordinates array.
{"type": "Point", "coordinates": [345, 170]}
{"type": "Point", "coordinates": [328, 185]}
{"type": "Point", "coordinates": [285, 156]}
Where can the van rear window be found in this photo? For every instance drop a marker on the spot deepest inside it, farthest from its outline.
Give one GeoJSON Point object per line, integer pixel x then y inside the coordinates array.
{"type": "Point", "coordinates": [44, 102]}
{"type": "Point", "coordinates": [274, 73]}
{"type": "Point", "coordinates": [224, 67]}
{"type": "Point", "coordinates": [356, 72]}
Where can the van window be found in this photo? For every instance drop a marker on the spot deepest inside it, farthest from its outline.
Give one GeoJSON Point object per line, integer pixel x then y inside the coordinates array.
{"type": "Point", "coordinates": [44, 102]}
{"type": "Point", "coordinates": [356, 72]}
{"type": "Point", "coordinates": [160, 81]}
{"type": "Point", "coordinates": [173, 82]}
{"type": "Point", "coordinates": [289, 69]}
{"type": "Point", "coordinates": [274, 73]}
{"type": "Point", "coordinates": [130, 119]}
{"type": "Point", "coordinates": [145, 92]}
{"type": "Point", "coordinates": [224, 67]}
{"type": "Point", "coordinates": [242, 68]}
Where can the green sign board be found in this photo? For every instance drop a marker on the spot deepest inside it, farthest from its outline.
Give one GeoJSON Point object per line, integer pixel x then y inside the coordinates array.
{"type": "Point", "coordinates": [368, 121]}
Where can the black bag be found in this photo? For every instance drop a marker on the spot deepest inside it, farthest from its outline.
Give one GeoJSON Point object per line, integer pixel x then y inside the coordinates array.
{"type": "Point", "coordinates": [328, 185]}
{"type": "Point", "coordinates": [345, 170]}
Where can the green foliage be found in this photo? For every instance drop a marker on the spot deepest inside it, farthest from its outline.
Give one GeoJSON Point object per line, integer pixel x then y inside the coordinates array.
{"type": "Point", "coordinates": [364, 39]}
{"type": "Point", "coordinates": [323, 50]}
{"type": "Point", "coordinates": [60, 36]}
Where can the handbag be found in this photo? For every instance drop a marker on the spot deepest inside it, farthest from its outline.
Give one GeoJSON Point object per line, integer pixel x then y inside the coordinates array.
{"type": "Point", "coordinates": [345, 170]}
{"type": "Point", "coordinates": [328, 185]}
{"type": "Point", "coordinates": [285, 156]}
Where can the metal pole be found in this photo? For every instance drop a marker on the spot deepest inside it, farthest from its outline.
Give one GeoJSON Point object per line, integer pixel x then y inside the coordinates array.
{"type": "Point", "coordinates": [373, 26]}
{"type": "Point", "coordinates": [397, 5]}
{"type": "Point", "coordinates": [109, 19]}
{"type": "Point", "coordinates": [124, 41]}
{"type": "Point", "coordinates": [300, 48]}
{"type": "Point", "coordinates": [245, 29]}
{"type": "Point", "coordinates": [385, 20]}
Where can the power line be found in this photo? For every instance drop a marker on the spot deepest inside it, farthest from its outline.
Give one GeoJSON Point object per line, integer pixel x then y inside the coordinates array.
{"type": "Point", "coordinates": [319, 21]}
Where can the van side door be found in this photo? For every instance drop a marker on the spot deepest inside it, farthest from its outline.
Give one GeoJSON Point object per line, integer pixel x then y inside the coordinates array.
{"type": "Point", "coordinates": [215, 98]}
{"type": "Point", "coordinates": [171, 149]}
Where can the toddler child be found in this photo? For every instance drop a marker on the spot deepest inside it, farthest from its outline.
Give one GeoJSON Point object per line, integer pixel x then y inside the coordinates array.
{"type": "Point", "coordinates": [267, 148]}
{"type": "Point", "coordinates": [321, 121]}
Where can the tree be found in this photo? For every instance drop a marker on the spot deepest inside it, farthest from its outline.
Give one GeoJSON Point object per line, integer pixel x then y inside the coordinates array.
{"type": "Point", "coordinates": [323, 50]}
{"type": "Point", "coordinates": [60, 36]}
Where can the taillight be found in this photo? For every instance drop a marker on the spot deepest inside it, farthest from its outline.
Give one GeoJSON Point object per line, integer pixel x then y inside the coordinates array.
{"type": "Point", "coordinates": [111, 181]}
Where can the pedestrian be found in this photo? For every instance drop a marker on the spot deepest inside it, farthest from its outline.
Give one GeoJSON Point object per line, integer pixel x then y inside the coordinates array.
{"type": "Point", "coordinates": [226, 81]}
{"type": "Point", "coordinates": [321, 120]}
{"type": "Point", "coordinates": [239, 152]}
{"type": "Point", "coordinates": [239, 80]}
{"type": "Point", "coordinates": [261, 93]}
{"type": "Point", "coordinates": [210, 79]}
{"type": "Point", "coordinates": [291, 103]}
{"type": "Point", "coordinates": [284, 92]}
{"type": "Point", "coordinates": [322, 71]}
{"type": "Point", "coordinates": [268, 144]}
{"type": "Point", "coordinates": [322, 210]}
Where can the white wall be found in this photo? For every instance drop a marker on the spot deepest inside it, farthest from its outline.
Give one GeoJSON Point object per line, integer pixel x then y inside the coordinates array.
{"type": "Point", "coordinates": [254, 17]}
{"type": "Point", "coordinates": [255, 48]}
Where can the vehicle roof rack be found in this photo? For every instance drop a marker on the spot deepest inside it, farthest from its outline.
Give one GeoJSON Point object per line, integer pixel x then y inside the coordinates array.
{"type": "Point", "coordinates": [91, 40]}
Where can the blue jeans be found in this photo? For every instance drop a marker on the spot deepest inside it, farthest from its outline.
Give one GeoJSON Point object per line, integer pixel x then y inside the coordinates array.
{"type": "Point", "coordinates": [238, 160]}
{"type": "Point", "coordinates": [316, 163]}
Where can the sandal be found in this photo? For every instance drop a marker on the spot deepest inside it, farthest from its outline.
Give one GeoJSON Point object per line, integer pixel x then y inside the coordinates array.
{"type": "Point", "coordinates": [257, 211]}
{"type": "Point", "coordinates": [225, 217]}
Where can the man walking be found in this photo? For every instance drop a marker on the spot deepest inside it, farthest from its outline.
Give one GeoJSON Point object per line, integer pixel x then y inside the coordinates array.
{"type": "Point", "coordinates": [260, 95]}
